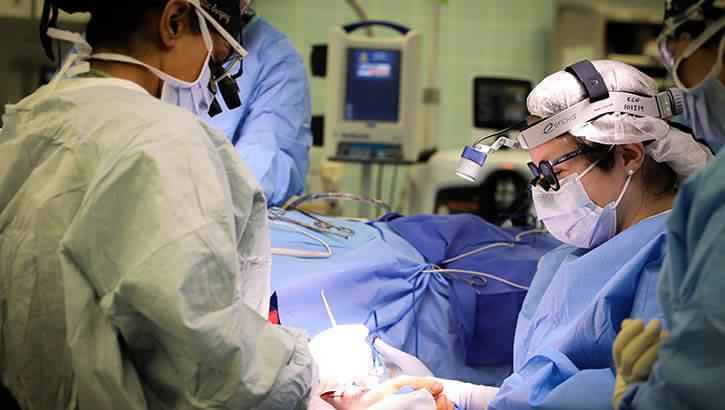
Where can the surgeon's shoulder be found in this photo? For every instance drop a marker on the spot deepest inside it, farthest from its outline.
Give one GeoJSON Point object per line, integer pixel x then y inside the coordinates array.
{"type": "Point", "coordinates": [556, 256]}
{"type": "Point", "coordinates": [139, 121]}
{"type": "Point", "coordinates": [161, 117]}
{"type": "Point", "coordinates": [703, 192]}
{"type": "Point", "coordinates": [265, 29]}
{"type": "Point", "coordinates": [713, 169]}
{"type": "Point", "coordinates": [272, 44]}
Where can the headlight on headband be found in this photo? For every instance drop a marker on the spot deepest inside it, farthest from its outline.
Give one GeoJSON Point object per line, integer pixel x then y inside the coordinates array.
{"type": "Point", "coordinates": [663, 105]}
{"type": "Point", "coordinates": [472, 158]}
{"type": "Point", "coordinates": [600, 102]}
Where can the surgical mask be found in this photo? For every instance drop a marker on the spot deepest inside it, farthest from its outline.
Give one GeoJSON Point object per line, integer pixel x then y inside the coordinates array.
{"type": "Point", "coordinates": [572, 217]}
{"type": "Point", "coordinates": [705, 104]}
{"type": "Point", "coordinates": [196, 96]}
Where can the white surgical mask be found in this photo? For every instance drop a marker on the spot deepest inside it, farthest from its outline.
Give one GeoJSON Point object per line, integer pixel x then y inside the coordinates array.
{"type": "Point", "coordinates": [572, 217]}
{"type": "Point", "coordinates": [705, 104]}
{"type": "Point", "coordinates": [195, 96]}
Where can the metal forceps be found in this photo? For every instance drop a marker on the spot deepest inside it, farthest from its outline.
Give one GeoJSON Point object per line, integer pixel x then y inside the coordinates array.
{"type": "Point", "coordinates": [277, 214]}
{"type": "Point", "coordinates": [475, 281]}
{"type": "Point", "coordinates": [322, 223]}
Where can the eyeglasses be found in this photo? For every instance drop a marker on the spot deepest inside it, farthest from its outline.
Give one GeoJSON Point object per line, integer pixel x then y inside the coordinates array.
{"type": "Point", "coordinates": [223, 81]}
{"type": "Point", "coordinates": [231, 66]}
{"type": "Point", "coordinates": [700, 32]}
{"type": "Point", "coordinates": [667, 39]}
{"type": "Point", "coordinates": [544, 174]}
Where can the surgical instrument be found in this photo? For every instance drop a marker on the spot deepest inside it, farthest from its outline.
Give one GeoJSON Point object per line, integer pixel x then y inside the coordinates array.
{"type": "Point", "coordinates": [475, 281]}
{"type": "Point", "coordinates": [276, 214]}
{"type": "Point", "coordinates": [322, 223]}
{"type": "Point", "coordinates": [475, 274]}
{"type": "Point", "coordinates": [338, 195]}
{"type": "Point", "coordinates": [301, 253]}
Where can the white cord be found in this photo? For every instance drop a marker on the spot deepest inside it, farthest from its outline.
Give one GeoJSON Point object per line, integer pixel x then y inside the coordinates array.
{"type": "Point", "coordinates": [493, 245]}
{"type": "Point", "coordinates": [357, 8]}
{"type": "Point", "coordinates": [518, 237]}
{"type": "Point", "coordinates": [301, 253]}
{"type": "Point", "coordinates": [471, 272]}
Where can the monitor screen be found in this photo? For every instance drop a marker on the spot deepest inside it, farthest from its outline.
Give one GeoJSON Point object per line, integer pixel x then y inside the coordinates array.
{"type": "Point", "coordinates": [498, 102]}
{"type": "Point", "coordinates": [373, 85]}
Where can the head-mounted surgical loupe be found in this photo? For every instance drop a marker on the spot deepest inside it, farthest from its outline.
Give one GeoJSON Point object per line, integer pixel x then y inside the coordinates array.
{"type": "Point", "coordinates": [663, 105]}
{"type": "Point", "coordinates": [224, 79]}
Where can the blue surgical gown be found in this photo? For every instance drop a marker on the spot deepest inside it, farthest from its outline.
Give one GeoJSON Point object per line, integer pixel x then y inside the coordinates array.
{"type": "Point", "coordinates": [571, 316]}
{"type": "Point", "coordinates": [272, 126]}
{"type": "Point", "coordinates": [691, 364]}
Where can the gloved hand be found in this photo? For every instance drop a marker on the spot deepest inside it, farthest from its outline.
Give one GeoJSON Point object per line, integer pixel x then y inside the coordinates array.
{"type": "Point", "coordinates": [467, 395]}
{"type": "Point", "coordinates": [635, 352]}
{"type": "Point", "coordinates": [342, 356]}
{"type": "Point", "coordinates": [400, 362]}
{"type": "Point", "coordinates": [380, 397]}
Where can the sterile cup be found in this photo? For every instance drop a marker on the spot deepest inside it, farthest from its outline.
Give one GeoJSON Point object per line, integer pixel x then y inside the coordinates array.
{"type": "Point", "coordinates": [342, 356]}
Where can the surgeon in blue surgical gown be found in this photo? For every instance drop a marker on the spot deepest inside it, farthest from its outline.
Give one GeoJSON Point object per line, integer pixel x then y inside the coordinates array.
{"type": "Point", "coordinates": [688, 373]}
{"type": "Point", "coordinates": [271, 129]}
{"type": "Point", "coordinates": [629, 173]}
{"type": "Point", "coordinates": [617, 176]}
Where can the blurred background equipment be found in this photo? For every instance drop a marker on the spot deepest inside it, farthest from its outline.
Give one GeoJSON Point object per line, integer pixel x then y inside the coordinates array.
{"type": "Point", "coordinates": [371, 106]}
{"type": "Point", "coordinates": [499, 193]}
{"type": "Point", "coordinates": [608, 30]}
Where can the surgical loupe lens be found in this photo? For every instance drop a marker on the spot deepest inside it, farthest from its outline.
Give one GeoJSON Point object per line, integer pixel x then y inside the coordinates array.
{"type": "Point", "coordinates": [548, 175]}
{"type": "Point", "coordinates": [230, 92]}
{"type": "Point", "coordinates": [544, 176]}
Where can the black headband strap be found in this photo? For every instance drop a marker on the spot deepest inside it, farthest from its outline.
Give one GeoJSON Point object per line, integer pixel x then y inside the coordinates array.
{"type": "Point", "coordinates": [591, 79]}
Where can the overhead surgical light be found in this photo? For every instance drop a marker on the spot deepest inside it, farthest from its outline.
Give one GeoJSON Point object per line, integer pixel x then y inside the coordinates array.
{"type": "Point", "coordinates": [663, 105]}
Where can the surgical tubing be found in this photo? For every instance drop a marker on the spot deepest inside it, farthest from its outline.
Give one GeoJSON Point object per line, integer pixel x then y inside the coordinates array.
{"type": "Point", "coordinates": [338, 195]}
{"type": "Point", "coordinates": [471, 272]}
{"type": "Point", "coordinates": [493, 245]}
{"type": "Point", "coordinates": [530, 231]}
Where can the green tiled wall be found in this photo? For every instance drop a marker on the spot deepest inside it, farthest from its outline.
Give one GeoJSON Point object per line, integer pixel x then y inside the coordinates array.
{"type": "Point", "coordinates": [488, 37]}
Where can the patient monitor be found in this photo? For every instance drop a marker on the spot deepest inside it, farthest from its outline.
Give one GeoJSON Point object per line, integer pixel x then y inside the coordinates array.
{"type": "Point", "coordinates": [497, 103]}
{"type": "Point", "coordinates": [373, 95]}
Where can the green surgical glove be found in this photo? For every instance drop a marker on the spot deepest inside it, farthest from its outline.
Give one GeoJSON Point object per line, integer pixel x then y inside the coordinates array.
{"type": "Point", "coordinates": [635, 352]}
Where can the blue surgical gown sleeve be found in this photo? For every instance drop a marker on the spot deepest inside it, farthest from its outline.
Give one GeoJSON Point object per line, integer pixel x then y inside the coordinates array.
{"type": "Point", "coordinates": [272, 127]}
{"type": "Point", "coordinates": [689, 371]}
{"type": "Point", "coordinates": [571, 315]}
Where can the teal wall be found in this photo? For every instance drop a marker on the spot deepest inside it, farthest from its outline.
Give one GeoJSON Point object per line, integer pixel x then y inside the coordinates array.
{"type": "Point", "coordinates": [490, 37]}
